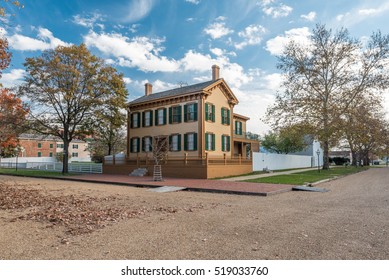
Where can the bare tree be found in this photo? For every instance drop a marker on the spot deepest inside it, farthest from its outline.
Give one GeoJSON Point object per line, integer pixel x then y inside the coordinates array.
{"type": "Point", "coordinates": [323, 79]}
{"type": "Point", "coordinates": [160, 150]}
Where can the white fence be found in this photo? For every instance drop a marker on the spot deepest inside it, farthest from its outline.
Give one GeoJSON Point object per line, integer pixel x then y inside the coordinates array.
{"type": "Point", "coordinates": [56, 166]}
{"type": "Point", "coordinates": [281, 161]}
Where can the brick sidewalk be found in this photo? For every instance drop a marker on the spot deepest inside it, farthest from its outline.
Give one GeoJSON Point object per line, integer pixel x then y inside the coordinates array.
{"type": "Point", "coordinates": [261, 189]}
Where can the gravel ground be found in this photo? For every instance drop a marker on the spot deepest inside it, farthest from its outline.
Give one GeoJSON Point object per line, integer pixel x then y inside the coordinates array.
{"type": "Point", "coordinates": [71, 220]}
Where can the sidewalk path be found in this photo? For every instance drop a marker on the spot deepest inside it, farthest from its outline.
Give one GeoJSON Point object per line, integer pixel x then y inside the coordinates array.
{"type": "Point", "coordinates": [262, 189]}
{"type": "Point", "coordinates": [250, 177]}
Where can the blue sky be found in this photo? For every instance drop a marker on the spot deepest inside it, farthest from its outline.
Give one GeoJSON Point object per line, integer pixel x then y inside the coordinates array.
{"type": "Point", "coordinates": [169, 42]}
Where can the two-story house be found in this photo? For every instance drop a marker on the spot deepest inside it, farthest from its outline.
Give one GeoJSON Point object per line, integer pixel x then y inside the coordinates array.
{"type": "Point", "coordinates": [205, 137]}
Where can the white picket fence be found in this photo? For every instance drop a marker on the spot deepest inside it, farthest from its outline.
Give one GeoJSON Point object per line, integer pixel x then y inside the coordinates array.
{"type": "Point", "coordinates": [96, 168]}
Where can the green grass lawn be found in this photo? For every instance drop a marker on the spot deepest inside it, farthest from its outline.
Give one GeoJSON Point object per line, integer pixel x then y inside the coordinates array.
{"type": "Point", "coordinates": [308, 176]}
{"type": "Point", "coordinates": [32, 173]}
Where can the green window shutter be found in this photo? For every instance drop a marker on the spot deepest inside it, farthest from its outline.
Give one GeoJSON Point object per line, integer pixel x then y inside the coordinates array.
{"type": "Point", "coordinates": [143, 119]}
{"type": "Point", "coordinates": [164, 115]}
{"type": "Point", "coordinates": [228, 143]}
{"type": "Point", "coordinates": [170, 115]}
{"type": "Point", "coordinates": [185, 142]}
{"type": "Point", "coordinates": [156, 117]}
{"type": "Point", "coordinates": [228, 117]}
{"type": "Point", "coordinates": [180, 114]}
{"type": "Point", "coordinates": [137, 145]}
{"type": "Point", "coordinates": [151, 118]}
{"type": "Point", "coordinates": [223, 143]}
{"type": "Point", "coordinates": [206, 142]}
{"type": "Point", "coordinates": [131, 147]}
{"type": "Point", "coordinates": [236, 127]}
{"type": "Point", "coordinates": [132, 120]}
{"type": "Point", "coordinates": [143, 144]}
{"type": "Point", "coordinates": [185, 113]}
{"type": "Point", "coordinates": [170, 142]}
{"type": "Point", "coordinates": [240, 128]}
{"type": "Point", "coordinates": [179, 141]}
{"type": "Point", "coordinates": [213, 113]}
{"type": "Point", "coordinates": [195, 111]}
{"type": "Point", "coordinates": [195, 140]}
{"type": "Point", "coordinates": [206, 112]}
{"type": "Point", "coordinates": [222, 115]}
{"type": "Point", "coordinates": [138, 120]}
{"type": "Point", "coordinates": [213, 142]}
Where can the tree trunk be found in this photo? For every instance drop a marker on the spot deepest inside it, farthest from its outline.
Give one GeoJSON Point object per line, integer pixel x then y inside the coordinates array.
{"type": "Point", "coordinates": [353, 158]}
{"type": "Point", "coordinates": [65, 163]}
{"type": "Point", "coordinates": [366, 159]}
{"type": "Point", "coordinates": [326, 160]}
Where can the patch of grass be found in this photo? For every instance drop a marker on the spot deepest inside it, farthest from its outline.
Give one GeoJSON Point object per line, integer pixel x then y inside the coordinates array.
{"type": "Point", "coordinates": [32, 173]}
{"type": "Point", "coordinates": [308, 176]}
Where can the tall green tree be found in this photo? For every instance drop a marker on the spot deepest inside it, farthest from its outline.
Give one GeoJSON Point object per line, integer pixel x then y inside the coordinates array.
{"type": "Point", "coordinates": [321, 80]}
{"type": "Point", "coordinates": [67, 87]}
{"type": "Point", "coordinates": [285, 141]}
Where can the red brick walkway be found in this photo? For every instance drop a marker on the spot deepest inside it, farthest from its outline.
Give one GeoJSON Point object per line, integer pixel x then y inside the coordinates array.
{"type": "Point", "coordinates": [190, 184]}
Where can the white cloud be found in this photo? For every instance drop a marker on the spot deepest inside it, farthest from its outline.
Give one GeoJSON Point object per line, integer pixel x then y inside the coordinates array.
{"type": "Point", "coordinates": [309, 17]}
{"type": "Point", "coordinates": [270, 8]}
{"type": "Point", "coordinates": [88, 20]}
{"type": "Point", "coordinates": [140, 52]}
{"type": "Point", "coordinates": [252, 35]}
{"type": "Point", "coordinates": [300, 35]}
{"type": "Point", "coordinates": [360, 14]}
{"type": "Point", "coordinates": [218, 29]}
{"type": "Point", "coordinates": [13, 78]}
{"type": "Point", "coordinates": [138, 9]}
{"type": "Point", "coordinates": [194, 2]}
{"type": "Point", "coordinates": [45, 40]}
{"type": "Point", "coordinates": [233, 73]}
{"type": "Point", "coordinates": [134, 27]}
{"type": "Point", "coordinates": [127, 80]}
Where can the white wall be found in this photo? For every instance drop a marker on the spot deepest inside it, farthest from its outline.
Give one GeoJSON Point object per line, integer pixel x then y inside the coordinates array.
{"type": "Point", "coordinates": [281, 161]}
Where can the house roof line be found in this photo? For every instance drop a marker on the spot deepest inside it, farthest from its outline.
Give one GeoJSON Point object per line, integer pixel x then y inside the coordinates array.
{"type": "Point", "coordinates": [182, 91]}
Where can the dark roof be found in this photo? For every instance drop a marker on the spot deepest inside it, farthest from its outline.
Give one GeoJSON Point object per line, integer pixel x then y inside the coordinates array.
{"type": "Point", "coordinates": [172, 92]}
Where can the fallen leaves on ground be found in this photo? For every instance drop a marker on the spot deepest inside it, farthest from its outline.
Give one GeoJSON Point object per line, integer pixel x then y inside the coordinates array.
{"type": "Point", "coordinates": [78, 214]}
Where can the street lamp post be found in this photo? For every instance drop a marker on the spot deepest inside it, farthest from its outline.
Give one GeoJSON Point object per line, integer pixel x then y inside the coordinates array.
{"type": "Point", "coordinates": [17, 156]}
{"type": "Point", "coordinates": [318, 160]}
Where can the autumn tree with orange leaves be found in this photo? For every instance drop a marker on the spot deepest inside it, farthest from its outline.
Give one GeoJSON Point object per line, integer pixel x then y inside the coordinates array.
{"type": "Point", "coordinates": [12, 110]}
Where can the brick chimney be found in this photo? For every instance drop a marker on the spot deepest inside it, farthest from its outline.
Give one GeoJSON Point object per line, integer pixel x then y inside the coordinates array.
{"type": "Point", "coordinates": [148, 89]}
{"type": "Point", "coordinates": [215, 72]}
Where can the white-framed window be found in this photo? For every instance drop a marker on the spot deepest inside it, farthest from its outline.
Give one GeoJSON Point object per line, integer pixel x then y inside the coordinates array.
{"type": "Point", "coordinates": [238, 128]}
{"type": "Point", "coordinates": [147, 144]}
{"type": "Point", "coordinates": [209, 112]}
{"type": "Point", "coordinates": [75, 146]}
{"type": "Point", "coordinates": [175, 114]}
{"type": "Point", "coordinates": [209, 141]}
{"type": "Point", "coordinates": [161, 116]}
{"type": "Point", "coordinates": [135, 145]}
{"type": "Point", "coordinates": [190, 112]}
{"type": "Point", "coordinates": [147, 120]}
{"type": "Point", "coordinates": [190, 142]}
{"type": "Point", "coordinates": [225, 116]}
{"type": "Point", "coordinates": [175, 142]}
{"type": "Point", "coordinates": [135, 120]}
{"type": "Point", "coordinates": [74, 154]}
{"type": "Point", "coordinates": [226, 143]}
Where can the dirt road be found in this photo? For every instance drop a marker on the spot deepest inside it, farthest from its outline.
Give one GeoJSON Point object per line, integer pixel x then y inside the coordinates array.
{"type": "Point", "coordinates": [351, 221]}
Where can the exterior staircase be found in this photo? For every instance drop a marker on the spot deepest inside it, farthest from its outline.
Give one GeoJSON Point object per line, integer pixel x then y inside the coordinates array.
{"type": "Point", "coordinates": [139, 172]}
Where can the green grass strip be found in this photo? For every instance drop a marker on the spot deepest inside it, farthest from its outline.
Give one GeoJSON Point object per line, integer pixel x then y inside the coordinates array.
{"type": "Point", "coordinates": [308, 176]}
